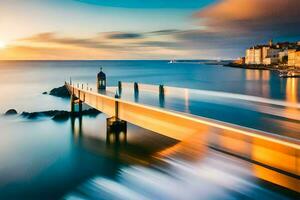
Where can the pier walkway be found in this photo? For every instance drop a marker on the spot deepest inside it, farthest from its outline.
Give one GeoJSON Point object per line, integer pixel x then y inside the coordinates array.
{"type": "Point", "coordinates": [162, 110]}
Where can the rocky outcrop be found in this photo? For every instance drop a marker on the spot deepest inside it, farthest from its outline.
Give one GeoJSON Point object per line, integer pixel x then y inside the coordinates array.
{"type": "Point", "coordinates": [61, 116]}
{"type": "Point", "coordinates": [11, 112]}
{"type": "Point", "coordinates": [60, 92]}
{"type": "Point", "coordinates": [58, 115]}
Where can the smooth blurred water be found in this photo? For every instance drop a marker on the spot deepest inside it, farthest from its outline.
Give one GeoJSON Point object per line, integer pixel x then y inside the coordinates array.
{"type": "Point", "coordinates": [43, 159]}
{"type": "Point", "coordinates": [22, 83]}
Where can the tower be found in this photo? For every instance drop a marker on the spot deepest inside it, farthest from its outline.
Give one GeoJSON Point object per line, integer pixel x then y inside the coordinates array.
{"type": "Point", "coordinates": [270, 43]}
{"type": "Point", "coordinates": [101, 80]}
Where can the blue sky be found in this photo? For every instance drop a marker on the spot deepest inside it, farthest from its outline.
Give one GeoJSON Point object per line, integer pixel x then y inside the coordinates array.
{"type": "Point", "coordinates": [148, 29]}
{"type": "Point", "coordinates": [148, 4]}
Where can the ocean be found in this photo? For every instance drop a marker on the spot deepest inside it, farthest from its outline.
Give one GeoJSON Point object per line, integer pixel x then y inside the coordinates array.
{"type": "Point", "coordinates": [44, 159]}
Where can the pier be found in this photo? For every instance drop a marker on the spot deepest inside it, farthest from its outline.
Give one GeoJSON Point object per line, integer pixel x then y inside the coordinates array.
{"type": "Point", "coordinates": [274, 152]}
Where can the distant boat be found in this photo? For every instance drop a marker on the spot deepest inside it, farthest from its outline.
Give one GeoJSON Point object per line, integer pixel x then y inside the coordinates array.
{"type": "Point", "coordinates": [290, 74]}
{"type": "Point", "coordinates": [172, 61]}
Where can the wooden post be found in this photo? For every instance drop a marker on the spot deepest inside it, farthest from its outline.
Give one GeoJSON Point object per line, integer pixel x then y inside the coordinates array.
{"type": "Point", "coordinates": [161, 90]}
{"type": "Point", "coordinates": [136, 92]}
{"type": "Point", "coordinates": [136, 88]}
{"type": "Point", "coordinates": [120, 87]}
{"type": "Point", "coordinates": [161, 96]}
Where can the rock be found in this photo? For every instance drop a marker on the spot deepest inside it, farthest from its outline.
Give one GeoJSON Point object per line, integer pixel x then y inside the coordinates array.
{"type": "Point", "coordinates": [61, 116]}
{"type": "Point", "coordinates": [11, 112]}
{"type": "Point", "coordinates": [28, 115]}
{"type": "Point", "coordinates": [91, 112]}
{"type": "Point", "coordinates": [60, 92]}
{"type": "Point", "coordinates": [45, 92]}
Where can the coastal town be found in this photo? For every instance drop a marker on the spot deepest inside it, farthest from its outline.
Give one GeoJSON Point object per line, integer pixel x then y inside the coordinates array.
{"type": "Point", "coordinates": [282, 56]}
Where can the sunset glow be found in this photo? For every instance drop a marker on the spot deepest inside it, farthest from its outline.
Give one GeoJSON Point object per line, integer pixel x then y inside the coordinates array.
{"type": "Point", "coordinates": [149, 99]}
{"type": "Point", "coordinates": [197, 29]}
{"type": "Point", "coordinates": [2, 44]}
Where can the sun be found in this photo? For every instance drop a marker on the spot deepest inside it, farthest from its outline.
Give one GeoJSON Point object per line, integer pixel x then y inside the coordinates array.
{"type": "Point", "coordinates": [2, 44]}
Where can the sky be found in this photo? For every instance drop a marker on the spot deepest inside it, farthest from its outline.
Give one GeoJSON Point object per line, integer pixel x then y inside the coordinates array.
{"type": "Point", "coordinates": [148, 29]}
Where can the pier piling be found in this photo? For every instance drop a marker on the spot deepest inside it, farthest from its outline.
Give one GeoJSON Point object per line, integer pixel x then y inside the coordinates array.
{"type": "Point", "coordinates": [161, 96]}
{"type": "Point", "coordinates": [116, 131]}
{"type": "Point", "coordinates": [120, 87]}
{"type": "Point", "coordinates": [136, 92]}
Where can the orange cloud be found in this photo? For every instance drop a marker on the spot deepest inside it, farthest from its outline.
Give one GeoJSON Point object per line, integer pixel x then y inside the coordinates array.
{"type": "Point", "coordinates": [273, 17]}
{"type": "Point", "coordinates": [50, 53]}
{"type": "Point", "coordinates": [107, 45]}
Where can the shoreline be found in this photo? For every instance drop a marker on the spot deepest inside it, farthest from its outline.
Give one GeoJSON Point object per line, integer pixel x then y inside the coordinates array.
{"type": "Point", "coordinates": [276, 68]}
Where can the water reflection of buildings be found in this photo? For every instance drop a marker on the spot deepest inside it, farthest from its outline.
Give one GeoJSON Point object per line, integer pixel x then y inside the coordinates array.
{"type": "Point", "coordinates": [291, 97]}
{"type": "Point", "coordinates": [263, 76]}
{"type": "Point", "coordinates": [292, 90]}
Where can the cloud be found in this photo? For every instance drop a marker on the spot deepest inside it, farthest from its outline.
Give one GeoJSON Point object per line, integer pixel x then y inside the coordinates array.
{"type": "Point", "coordinates": [164, 32]}
{"type": "Point", "coordinates": [205, 39]}
{"type": "Point", "coordinates": [274, 18]}
{"type": "Point", "coordinates": [160, 44]}
{"type": "Point", "coordinates": [54, 38]}
{"type": "Point", "coordinates": [121, 35]}
{"type": "Point", "coordinates": [106, 40]}
{"type": "Point", "coordinates": [227, 27]}
{"type": "Point", "coordinates": [106, 45]}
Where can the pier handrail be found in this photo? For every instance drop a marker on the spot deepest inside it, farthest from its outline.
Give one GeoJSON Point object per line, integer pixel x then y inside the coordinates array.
{"type": "Point", "coordinates": [250, 98]}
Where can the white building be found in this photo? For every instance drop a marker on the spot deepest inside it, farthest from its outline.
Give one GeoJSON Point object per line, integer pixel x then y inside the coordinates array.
{"type": "Point", "coordinates": [253, 56]}
{"type": "Point", "coordinates": [262, 55]}
{"type": "Point", "coordinates": [272, 56]}
{"type": "Point", "coordinates": [282, 55]}
{"type": "Point", "coordinates": [257, 55]}
{"type": "Point", "coordinates": [294, 58]}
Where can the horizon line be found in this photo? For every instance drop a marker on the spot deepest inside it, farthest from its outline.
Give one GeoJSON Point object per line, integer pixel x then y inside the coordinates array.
{"type": "Point", "coordinates": [111, 59]}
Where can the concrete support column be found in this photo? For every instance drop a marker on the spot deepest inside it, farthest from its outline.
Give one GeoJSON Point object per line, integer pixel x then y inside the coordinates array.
{"type": "Point", "coordinates": [117, 109]}
{"type": "Point", "coordinates": [79, 107]}
{"type": "Point", "coordinates": [72, 104]}
{"type": "Point", "coordinates": [116, 131]}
